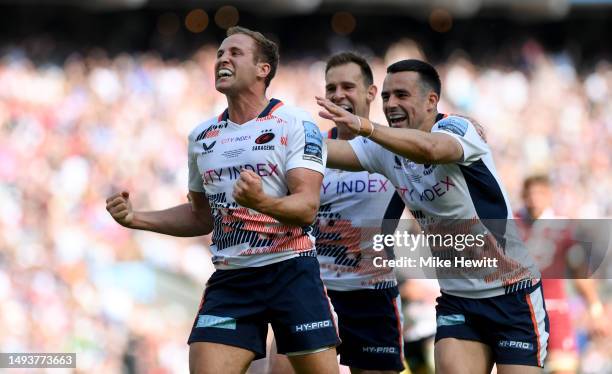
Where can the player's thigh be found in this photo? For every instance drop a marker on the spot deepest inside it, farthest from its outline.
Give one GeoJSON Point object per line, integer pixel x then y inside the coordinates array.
{"type": "Point", "coordinates": [279, 364]}
{"type": "Point", "coordinates": [518, 369]}
{"type": "Point", "coordinates": [315, 363]}
{"type": "Point", "coordinates": [213, 358]}
{"type": "Point", "coordinates": [300, 312]}
{"type": "Point", "coordinates": [370, 328]}
{"type": "Point", "coordinates": [456, 356]}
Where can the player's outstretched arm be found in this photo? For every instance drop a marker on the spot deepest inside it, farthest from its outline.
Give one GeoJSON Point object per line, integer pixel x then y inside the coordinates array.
{"type": "Point", "coordinates": [419, 146]}
{"type": "Point", "coordinates": [299, 208]}
{"type": "Point", "coordinates": [340, 155]}
{"type": "Point", "coordinates": [190, 219]}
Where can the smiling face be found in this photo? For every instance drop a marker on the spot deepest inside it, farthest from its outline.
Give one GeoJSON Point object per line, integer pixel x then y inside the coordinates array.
{"type": "Point", "coordinates": [345, 86]}
{"type": "Point", "coordinates": [236, 66]}
{"type": "Point", "coordinates": [407, 102]}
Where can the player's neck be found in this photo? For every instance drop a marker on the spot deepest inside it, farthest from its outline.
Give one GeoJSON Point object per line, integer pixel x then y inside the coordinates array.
{"type": "Point", "coordinates": [246, 106]}
{"type": "Point", "coordinates": [429, 122]}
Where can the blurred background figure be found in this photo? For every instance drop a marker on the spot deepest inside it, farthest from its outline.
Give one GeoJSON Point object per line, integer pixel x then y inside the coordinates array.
{"type": "Point", "coordinates": [554, 243]}
{"type": "Point", "coordinates": [101, 91]}
{"type": "Point", "coordinates": [418, 304]}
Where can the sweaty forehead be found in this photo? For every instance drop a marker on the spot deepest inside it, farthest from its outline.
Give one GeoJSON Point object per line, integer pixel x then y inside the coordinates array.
{"type": "Point", "coordinates": [403, 80]}
{"type": "Point", "coordinates": [241, 41]}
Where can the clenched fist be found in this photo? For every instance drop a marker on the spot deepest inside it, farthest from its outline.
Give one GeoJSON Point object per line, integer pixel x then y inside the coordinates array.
{"type": "Point", "coordinates": [120, 208]}
{"type": "Point", "coordinates": [248, 190]}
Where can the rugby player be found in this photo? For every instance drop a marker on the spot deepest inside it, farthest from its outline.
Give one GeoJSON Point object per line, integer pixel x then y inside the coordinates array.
{"type": "Point", "coordinates": [254, 177]}
{"type": "Point", "coordinates": [444, 171]}
{"type": "Point", "coordinates": [353, 207]}
{"type": "Point", "coordinates": [554, 242]}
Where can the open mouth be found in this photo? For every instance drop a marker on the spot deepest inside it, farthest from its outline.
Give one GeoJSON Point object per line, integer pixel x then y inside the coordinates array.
{"type": "Point", "coordinates": [224, 73]}
{"type": "Point", "coordinates": [396, 119]}
{"type": "Point", "coordinates": [347, 107]}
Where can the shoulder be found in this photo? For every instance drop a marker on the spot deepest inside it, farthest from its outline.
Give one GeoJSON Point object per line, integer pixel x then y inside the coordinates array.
{"type": "Point", "coordinates": [292, 113]}
{"type": "Point", "coordinates": [204, 128]}
{"type": "Point", "coordinates": [454, 124]}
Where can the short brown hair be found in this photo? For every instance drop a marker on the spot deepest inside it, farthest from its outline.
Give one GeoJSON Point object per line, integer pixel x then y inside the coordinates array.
{"type": "Point", "coordinates": [540, 179]}
{"type": "Point", "coordinates": [267, 50]}
{"type": "Point", "coordinates": [343, 58]}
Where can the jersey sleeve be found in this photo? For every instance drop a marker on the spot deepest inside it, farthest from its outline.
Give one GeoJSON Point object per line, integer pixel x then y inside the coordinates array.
{"type": "Point", "coordinates": [305, 145]}
{"type": "Point", "coordinates": [474, 147]}
{"type": "Point", "coordinates": [195, 178]}
{"type": "Point", "coordinates": [369, 154]}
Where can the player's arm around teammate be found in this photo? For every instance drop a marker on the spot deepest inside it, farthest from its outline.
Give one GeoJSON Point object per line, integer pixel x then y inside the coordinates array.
{"type": "Point", "coordinates": [419, 146]}
{"type": "Point", "coordinates": [410, 105]}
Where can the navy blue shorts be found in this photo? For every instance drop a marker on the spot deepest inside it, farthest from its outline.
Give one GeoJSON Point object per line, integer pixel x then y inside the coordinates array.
{"type": "Point", "coordinates": [238, 305]}
{"type": "Point", "coordinates": [370, 328]}
{"type": "Point", "coordinates": [515, 325]}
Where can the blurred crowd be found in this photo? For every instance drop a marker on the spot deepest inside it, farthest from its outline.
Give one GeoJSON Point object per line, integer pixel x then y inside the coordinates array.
{"type": "Point", "coordinates": [72, 280]}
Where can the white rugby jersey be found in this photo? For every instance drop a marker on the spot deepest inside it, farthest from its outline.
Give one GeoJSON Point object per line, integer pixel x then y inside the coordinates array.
{"type": "Point", "coordinates": [470, 191]}
{"type": "Point", "coordinates": [279, 139]}
{"type": "Point", "coordinates": [353, 206]}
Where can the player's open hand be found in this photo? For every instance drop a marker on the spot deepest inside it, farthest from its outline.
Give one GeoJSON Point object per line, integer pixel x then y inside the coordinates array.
{"type": "Point", "coordinates": [340, 116]}
{"type": "Point", "coordinates": [248, 190]}
{"type": "Point", "coordinates": [120, 208]}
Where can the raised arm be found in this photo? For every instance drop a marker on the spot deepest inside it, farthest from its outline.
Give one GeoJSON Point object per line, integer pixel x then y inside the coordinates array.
{"type": "Point", "coordinates": [340, 155]}
{"type": "Point", "coordinates": [418, 146]}
{"type": "Point", "coordinates": [189, 219]}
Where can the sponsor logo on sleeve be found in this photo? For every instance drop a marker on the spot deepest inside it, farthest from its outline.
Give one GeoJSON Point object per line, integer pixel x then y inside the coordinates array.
{"type": "Point", "coordinates": [454, 125]}
{"type": "Point", "coordinates": [313, 147]}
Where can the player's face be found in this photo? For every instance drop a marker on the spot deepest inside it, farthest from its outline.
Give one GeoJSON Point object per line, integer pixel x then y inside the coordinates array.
{"type": "Point", "coordinates": [235, 68]}
{"type": "Point", "coordinates": [537, 197]}
{"type": "Point", "coordinates": [404, 103]}
{"type": "Point", "coordinates": [345, 87]}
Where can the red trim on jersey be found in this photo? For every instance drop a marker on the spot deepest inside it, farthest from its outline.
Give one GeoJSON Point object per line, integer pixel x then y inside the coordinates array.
{"type": "Point", "coordinates": [278, 105]}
